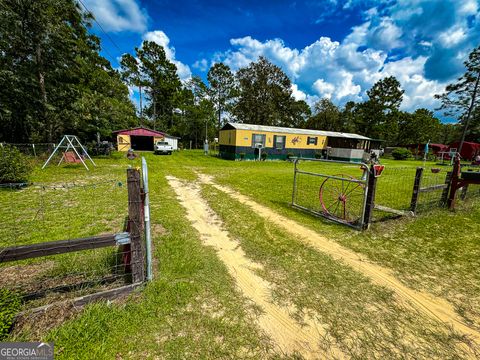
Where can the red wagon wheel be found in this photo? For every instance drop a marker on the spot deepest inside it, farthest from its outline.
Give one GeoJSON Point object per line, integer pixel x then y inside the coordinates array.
{"type": "Point", "coordinates": [342, 199]}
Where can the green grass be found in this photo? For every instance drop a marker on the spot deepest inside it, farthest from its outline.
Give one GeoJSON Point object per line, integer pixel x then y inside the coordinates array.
{"type": "Point", "coordinates": [192, 309]}
{"type": "Point", "coordinates": [357, 314]}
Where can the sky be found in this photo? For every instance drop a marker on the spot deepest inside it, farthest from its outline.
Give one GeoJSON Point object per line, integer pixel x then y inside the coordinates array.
{"type": "Point", "coordinates": [334, 49]}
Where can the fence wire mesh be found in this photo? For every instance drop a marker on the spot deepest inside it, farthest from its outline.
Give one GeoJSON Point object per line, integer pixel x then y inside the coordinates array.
{"type": "Point", "coordinates": [433, 188]}
{"type": "Point", "coordinates": [394, 191]}
{"type": "Point", "coordinates": [335, 190]}
{"type": "Point", "coordinates": [44, 213]}
{"type": "Point", "coordinates": [39, 150]}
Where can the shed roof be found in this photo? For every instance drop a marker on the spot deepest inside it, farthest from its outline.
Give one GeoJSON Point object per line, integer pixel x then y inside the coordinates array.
{"type": "Point", "coordinates": [143, 131]}
{"type": "Point", "coordinates": [278, 129]}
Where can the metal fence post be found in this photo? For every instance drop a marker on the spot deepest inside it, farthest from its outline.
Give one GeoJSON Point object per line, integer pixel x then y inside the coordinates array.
{"type": "Point", "coordinates": [416, 190]}
{"type": "Point", "coordinates": [146, 212]}
{"type": "Point", "coordinates": [135, 220]}
{"type": "Point", "coordinates": [370, 201]}
{"type": "Point", "coordinates": [294, 181]}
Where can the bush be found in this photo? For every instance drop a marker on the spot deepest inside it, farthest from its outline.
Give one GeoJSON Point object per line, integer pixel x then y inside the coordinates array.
{"type": "Point", "coordinates": [401, 154]}
{"type": "Point", "coordinates": [9, 306]}
{"type": "Point", "coordinates": [14, 166]}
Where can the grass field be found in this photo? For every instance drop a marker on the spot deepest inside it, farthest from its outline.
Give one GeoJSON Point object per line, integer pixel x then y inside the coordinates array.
{"type": "Point", "coordinates": [195, 307]}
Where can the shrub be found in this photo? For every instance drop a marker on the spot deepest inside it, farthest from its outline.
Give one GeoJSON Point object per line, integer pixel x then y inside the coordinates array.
{"type": "Point", "coordinates": [264, 156]}
{"type": "Point", "coordinates": [401, 154]}
{"type": "Point", "coordinates": [14, 166]}
{"type": "Point", "coordinates": [9, 306]}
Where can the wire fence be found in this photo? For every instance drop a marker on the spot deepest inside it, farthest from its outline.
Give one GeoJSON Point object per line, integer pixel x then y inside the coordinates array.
{"type": "Point", "coordinates": [40, 214]}
{"type": "Point", "coordinates": [38, 150]}
{"type": "Point", "coordinates": [393, 191]}
{"type": "Point", "coordinates": [344, 193]}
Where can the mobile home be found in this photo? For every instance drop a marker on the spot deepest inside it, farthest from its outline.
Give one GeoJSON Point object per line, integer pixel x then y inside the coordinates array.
{"type": "Point", "coordinates": [250, 141]}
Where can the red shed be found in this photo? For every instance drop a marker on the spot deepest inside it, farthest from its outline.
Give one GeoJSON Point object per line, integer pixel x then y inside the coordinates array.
{"type": "Point", "coordinates": [142, 138]}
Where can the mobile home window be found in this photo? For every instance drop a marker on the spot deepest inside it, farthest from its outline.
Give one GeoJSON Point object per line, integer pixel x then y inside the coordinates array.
{"type": "Point", "coordinates": [258, 139]}
{"type": "Point", "coordinates": [279, 142]}
{"type": "Point", "coordinates": [312, 140]}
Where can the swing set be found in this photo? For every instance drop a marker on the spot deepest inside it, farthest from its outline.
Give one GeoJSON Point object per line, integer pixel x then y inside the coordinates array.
{"type": "Point", "coordinates": [71, 153]}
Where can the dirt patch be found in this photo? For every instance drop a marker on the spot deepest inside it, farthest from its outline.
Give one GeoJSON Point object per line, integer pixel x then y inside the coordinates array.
{"type": "Point", "coordinates": [36, 325]}
{"type": "Point", "coordinates": [426, 303]}
{"type": "Point", "coordinates": [21, 276]}
{"type": "Point", "coordinates": [158, 230]}
{"type": "Point", "coordinates": [289, 336]}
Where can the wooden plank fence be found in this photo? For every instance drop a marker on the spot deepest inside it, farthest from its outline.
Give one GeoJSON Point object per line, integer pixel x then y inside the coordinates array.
{"type": "Point", "coordinates": [50, 248]}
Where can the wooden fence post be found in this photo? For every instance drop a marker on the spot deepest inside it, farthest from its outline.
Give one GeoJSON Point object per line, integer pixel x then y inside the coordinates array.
{"type": "Point", "coordinates": [135, 220]}
{"type": "Point", "coordinates": [370, 201]}
{"type": "Point", "coordinates": [416, 190]}
{"type": "Point", "coordinates": [446, 190]}
{"type": "Point", "coordinates": [454, 183]}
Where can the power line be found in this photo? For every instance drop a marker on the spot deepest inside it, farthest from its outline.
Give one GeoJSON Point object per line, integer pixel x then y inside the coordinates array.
{"type": "Point", "coordinates": [101, 28]}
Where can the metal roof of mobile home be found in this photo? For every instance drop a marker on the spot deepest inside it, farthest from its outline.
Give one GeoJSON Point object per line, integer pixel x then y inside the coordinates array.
{"type": "Point", "coordinates": [278, 129]}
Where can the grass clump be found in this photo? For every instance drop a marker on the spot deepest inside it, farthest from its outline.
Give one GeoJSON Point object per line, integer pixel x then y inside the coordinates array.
{"type": "Point", "coordinates": [10, 304]}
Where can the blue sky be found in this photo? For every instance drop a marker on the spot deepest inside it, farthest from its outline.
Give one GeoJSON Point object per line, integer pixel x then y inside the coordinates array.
{"type": "Point", "coordinates": [333, 48]}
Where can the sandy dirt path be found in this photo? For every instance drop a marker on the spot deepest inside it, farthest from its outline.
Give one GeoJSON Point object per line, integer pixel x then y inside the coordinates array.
{"type": "Point", "coordinates": [288, 335]}
{"type": "Point", "coordinates": [426, 303]}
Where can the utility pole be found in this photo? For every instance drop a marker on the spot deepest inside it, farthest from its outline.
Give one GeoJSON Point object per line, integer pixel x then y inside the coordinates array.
{"type": "Point", "coordinates": [141, 106]}
{"type": "Point", "coordinates": [205, 146]}
{"type": "Point", "coordinates": [154, 113]}
{"type": "Point", "coordinates": [469, 113]}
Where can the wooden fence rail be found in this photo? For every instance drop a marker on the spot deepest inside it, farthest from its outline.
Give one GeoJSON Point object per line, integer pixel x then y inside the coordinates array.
{"type": "Point", "coordinates": [15, 253]}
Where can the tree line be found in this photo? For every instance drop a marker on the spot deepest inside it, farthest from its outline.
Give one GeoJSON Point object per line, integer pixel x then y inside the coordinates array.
{"type": "Point", "coordinates": [53, 81]}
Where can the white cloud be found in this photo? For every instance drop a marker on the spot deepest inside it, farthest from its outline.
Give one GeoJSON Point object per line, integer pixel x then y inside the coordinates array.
{"type": "Point", "coordinates": [159, 37]}
{"type": "Point", "coordinates": [201, 65]}
{"type": "Point", "coordinates": [118, 15]}
{"type": "Point", "coordinates": [337, 71]}
{"type": "Point", "coordinates": [468, 7]}
{"type": "Point", "coordinates": [298, 94]}
{"type": "Point", "coordinates": [420, 42]}
{"type": "Point", "coordinates": [323, 88]}
{"type": "Point", "coordinates": [386, 35]}
{"type": "Point", "coordinates": [452, 37]}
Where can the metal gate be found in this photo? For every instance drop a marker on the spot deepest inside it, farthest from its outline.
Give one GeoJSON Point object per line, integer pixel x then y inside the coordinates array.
{"type": "Point", "coordinates": [335, 190]}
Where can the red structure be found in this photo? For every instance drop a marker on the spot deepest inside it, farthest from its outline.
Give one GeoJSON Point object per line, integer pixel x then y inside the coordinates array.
{"type": "Point", "coordinates": [469, 149]}
{"type": "Point", "coordinates": [459, 180]}
{"type": "Point", "coordinates": [419, 149]}
{"type": "Point", "coordinates": [141, 138]}
{"type": "Point", "coordinates": [139, 131]}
